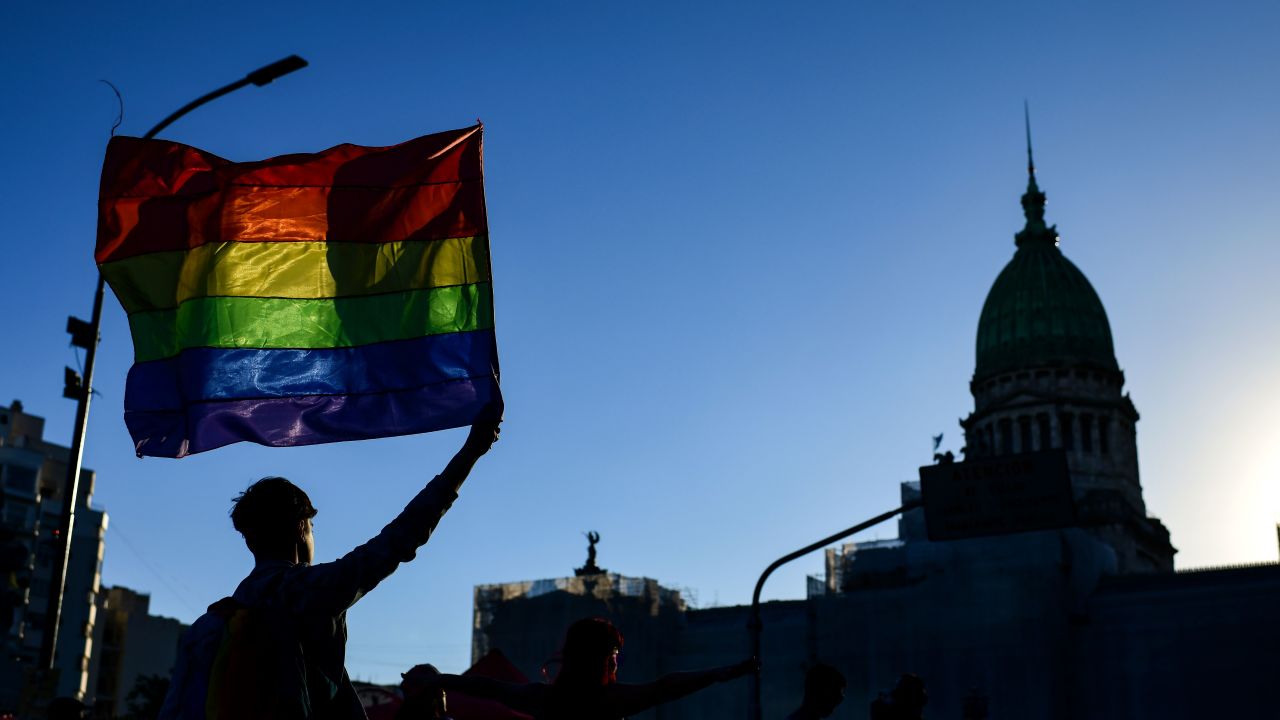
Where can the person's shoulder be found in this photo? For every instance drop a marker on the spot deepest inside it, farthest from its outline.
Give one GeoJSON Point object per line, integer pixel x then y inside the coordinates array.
{"type": "Point", "coordinates": [262, 576]}
{"type": "Point", "coordinates": [552, 696]}
{"type": "Point", "coordinates": [538, 689]}
{"type": "Point", "coordinates": [284, 587]}
{"type": "Point", "coordinates": [210, 623]}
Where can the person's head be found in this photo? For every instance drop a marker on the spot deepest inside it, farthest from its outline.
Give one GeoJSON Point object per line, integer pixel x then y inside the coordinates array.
{"type": "Point", "coordinates": [274, 516]}
{"type": "Point", "coordinates": [589, 656]}
{"type": "Point", "coordinates": [421, 688]}
{"type": "Point", "coordinates": [910, 693]}
{"type": "Point", "coordinates": [823, 689]}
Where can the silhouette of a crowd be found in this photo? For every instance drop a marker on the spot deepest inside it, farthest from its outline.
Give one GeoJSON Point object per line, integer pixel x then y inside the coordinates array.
{"type": "Point", "coordinates": [276, 646]}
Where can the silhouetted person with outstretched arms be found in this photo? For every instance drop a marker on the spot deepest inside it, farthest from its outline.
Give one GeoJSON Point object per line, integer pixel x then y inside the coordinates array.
{"type": "Point", "coordinates": [823, 692]}
{"type": "Point", "coordinates": [586, 688]}
{"type": "Point", "coordinates": [304, 605]}
{"type": "Point", "coordinates": [905, 702]}
{"type": "Point", "coordinates": [424, 699]}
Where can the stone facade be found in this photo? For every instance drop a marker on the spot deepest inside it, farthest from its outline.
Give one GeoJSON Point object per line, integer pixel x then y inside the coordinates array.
{"type": "Point", "coordinates": [1037, 625]}
{"type": "Point", "coordinates": [527, 620]}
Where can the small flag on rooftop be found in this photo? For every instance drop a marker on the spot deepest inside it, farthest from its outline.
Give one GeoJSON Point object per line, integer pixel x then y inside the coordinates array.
{"type": "Point", "coordinates": [303, 299]}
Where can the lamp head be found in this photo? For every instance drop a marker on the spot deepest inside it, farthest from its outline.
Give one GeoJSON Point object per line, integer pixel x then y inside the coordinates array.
{"type": "Point", "coordinates": [279, 68]}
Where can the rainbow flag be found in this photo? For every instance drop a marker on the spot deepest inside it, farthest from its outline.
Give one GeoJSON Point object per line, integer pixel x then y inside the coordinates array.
{"type": "Point", "coordinates": [303, 299]}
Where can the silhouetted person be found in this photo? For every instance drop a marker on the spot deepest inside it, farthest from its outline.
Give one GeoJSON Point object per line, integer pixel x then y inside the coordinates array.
{"type": "Point", "coordinates": [429, 701]}
{"type": "Point", "coordinates": [274, 515]}
{"type": "Point", "coordinates": [586, 688]}
{"type": "Point", "coordinates": [823, 692]}
{"type": "Point", "coordinates": [905, 702]}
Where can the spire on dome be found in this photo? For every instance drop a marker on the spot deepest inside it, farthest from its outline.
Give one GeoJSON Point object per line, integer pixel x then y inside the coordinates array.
{"type": "Point", "coordinates": [1031, 163]}
{"type": "Point", "coordinates": [1033, 200]}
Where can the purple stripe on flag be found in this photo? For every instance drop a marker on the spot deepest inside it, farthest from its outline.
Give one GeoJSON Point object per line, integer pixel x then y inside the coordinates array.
{"type": "Point", "coordinates": [308, 420]}
{"type": "Point", "coordinates": [200, 375]}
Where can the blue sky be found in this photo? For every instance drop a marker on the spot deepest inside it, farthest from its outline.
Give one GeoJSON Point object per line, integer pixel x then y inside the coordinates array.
{"type": "Point", "coordinates": [739, 255]}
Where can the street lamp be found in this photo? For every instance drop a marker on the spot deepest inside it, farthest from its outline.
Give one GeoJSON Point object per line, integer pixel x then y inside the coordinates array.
{"type": "Point", "coordinates": [86, 335]}
{"type": "Point", "coordinates": [754, 626]}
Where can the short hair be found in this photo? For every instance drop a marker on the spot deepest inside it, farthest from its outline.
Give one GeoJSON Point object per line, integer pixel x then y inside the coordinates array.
{"type": "Point", "coordinates": [267, 513]}
{"type": "Point", "coordinates": [822, 678]}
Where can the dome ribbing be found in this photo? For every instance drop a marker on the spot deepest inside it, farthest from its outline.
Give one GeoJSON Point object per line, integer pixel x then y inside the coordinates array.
{"type": "Point", "coordinates": [1041, 310]}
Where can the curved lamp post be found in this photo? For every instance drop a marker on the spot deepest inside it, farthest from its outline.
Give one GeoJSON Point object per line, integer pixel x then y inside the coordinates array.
{"type": "Point", "coordinates": [85, 335]}
{"type": "Point", "coordinates": [754, 625]}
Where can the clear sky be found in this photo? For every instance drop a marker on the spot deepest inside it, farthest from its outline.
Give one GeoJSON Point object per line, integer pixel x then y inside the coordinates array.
{"type": "Point", "coordinates": [739, 250]}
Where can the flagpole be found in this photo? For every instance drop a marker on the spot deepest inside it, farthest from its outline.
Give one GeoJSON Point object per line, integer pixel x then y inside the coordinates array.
{"type": "Point", "coordinates": [87, 335]}
{"type": "Point", "coordinates": [754, 625]}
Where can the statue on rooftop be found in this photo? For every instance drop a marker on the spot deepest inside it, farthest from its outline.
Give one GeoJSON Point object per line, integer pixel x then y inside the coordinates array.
{"type": "Point", "coordinates": [590, 568]}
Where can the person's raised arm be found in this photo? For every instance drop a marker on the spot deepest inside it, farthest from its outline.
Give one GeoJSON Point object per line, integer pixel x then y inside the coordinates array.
{"type": "Point", "coordinates": [482, 437]}
{"type": "Point", "coordinates": [628, 699]}
{"type": "Point", "coordinates": [337, 585]}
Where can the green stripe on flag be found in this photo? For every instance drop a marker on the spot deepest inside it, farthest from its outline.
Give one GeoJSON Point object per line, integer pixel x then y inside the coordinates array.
{"type": "Point", "coordinates": [238, 322]}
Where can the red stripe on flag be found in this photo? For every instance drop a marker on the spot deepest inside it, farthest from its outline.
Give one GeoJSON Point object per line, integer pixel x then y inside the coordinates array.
{"type": "Point", "coordinates": [160, 196]}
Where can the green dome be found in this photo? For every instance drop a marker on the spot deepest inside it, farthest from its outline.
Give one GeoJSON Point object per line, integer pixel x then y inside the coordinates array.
{"type": "Point", "coordinates": [1041, 311]}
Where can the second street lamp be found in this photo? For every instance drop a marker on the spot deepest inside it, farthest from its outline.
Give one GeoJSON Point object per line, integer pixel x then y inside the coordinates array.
{"type": "Point", "coordinates": [754, 625]}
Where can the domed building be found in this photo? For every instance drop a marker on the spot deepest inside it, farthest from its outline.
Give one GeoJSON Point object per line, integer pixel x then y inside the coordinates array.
{"type": "Point", "coordinates": [1046, 377]}
{"type": "Point", "coordinates": [1081, 617]}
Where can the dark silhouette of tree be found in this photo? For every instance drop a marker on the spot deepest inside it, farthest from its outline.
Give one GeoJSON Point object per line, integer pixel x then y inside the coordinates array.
{"type": "Point", "coordinates": [146, 697]}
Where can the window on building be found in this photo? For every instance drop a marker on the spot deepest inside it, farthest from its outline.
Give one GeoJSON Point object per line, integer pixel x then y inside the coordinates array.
{"type": "Point", "coordinates": [1104, 432]}
{"type": "Point", "coordinates": [1046, 435]}
{"type": "Point", "coordinates": [1086, 433]}
{"type": "Point", "coordinates": [20, 478]}
{"type": "Point", "coordinates": [112, 633]}
{"type": "Point", "coordinates": [1066, 422]}
{"type": "Point", "coordinates": [1024, 433]}
{"type": "Point", "coordinates": [17, 516]}
{"type": "Point", "coordinates": [1006, 436]}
